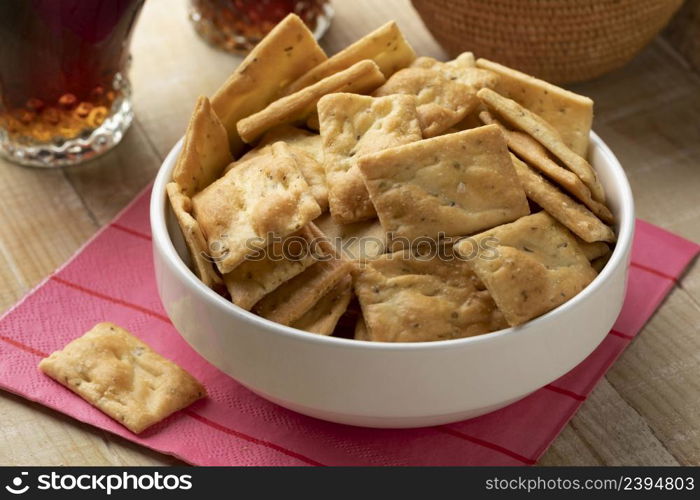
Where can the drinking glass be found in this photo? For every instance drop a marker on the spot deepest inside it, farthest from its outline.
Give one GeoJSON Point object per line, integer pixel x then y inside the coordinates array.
{"type": "Point", "coordinates": [237, 25]}
{"type": "Point", "coordinates": [64, 91]}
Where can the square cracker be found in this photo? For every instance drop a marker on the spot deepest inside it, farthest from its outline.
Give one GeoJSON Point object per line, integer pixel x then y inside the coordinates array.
{"type": "Point", "coordinates": [445, 92]}
{"type": "Point", "coordinates": [263, 197]}
{"type": "Point", "coordinates": [296, 137]}
{"type": "Point", "coordinates": [527, 121]}
{"type": "Point", "coordinates": [324, 315]}
{"type": "Point", "coordinates": [286, 53]}
{"type": "Point", "coordinates": [205, 152]}
{"type": "Point", "coordinates": [455, 184]}
{"type": "Point", "coordinates": [405, 298]}
{"type": "Point", "coordinates": [580, 221]}
{"type": "Point", "coordinates": [357, 241]}
{"type": "Point", "coordinates": [296, 297]}
{"type": "Point", "coordinates": [537, 266]}
{"type": "Point", "coordinates": [569, 113]}
{"type": "Point", "coordinates": [536, 155]}
{"type": "Point", "coordinates": [361, 77]}
{"type": "Point", "coordinates": [386, 46]}
{"type": "Point", "coordinates": [123, 377]}
{"type": "Point", "coordinates": [194, 238]}
{"type": "Point", "coordinates": [441, 102]}
{"type": "Point", "coordinates": [266, 270]}
{"type": "Point", "coordinates": [310, 168]}
{"type": "Point", "coordinates": [353, 125]}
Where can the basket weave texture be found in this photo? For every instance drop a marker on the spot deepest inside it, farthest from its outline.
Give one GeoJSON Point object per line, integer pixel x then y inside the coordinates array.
{"type": "Point", "coordinates": [560, 41]}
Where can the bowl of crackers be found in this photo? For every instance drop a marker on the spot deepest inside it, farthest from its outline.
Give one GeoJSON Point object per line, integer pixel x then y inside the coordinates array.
{"type": "Point", "coordinates": [381, 239]}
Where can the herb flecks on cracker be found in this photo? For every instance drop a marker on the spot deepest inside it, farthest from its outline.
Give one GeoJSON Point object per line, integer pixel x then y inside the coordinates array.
{"type": "Point", "coordinates": [361, 77]}
{"type": "Point", "coordinates": [123, 377]}
{"type": "Point", "coordinates": [456, 185]}
{"type": "Point", "coordinates": [351, 126]}
{"type": "Point", "coordinates": [266, 195]}
{"type": "Point", "coordinates": [263, 74]}
{"type": "Point", "coordinates": [407, 298]}
{"type": "Point", "coordinates": [531, 266]}
{"type": "Point", "coordinates": [385, 46]}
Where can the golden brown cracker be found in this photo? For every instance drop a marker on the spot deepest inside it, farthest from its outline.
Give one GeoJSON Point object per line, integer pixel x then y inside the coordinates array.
{"type": "Point", "coordinates": [529, 266]}
{"type": "Point", "coordinates": [527, 121]}
{"type": "Point", "coordinates": [440, 101]}
{"type": "Point", "coordinates": [297, 296]}
{"type": "Point", "coordinates": [266, 270]}
{"type": "Point", "coordinates": [362, 77]}
{"type": "Point", "coordinates": [286, 53]}
{"type": "Point", "coordinates": [194, 238]}
{"type": "Point", "coordinates": [562, 207]}
{"type": "Point", "coordinates": [445, 92]}
{"type": "Point", "coordinates": [536, 156]}
{"type": "Point", "coordinates": [205, 150]}
{"type": "Point", "coordinates": [310, 168]}
{"type": "Point", "coordinates": [357, 241]}
{"type": "Point", "coordinates": [385, 46]}
{"type": "Point", "coordinates": [264, 196]}
{"type": "Point", "coordinates": [455, 184]}
{"type": "Point", "coordinates": [123, 377]}
{"type": "Point", "coordinates": [569, 113]}
{"type": "Point", "coordinates": [296, 137]}
{"type": "Point", "coordinates": [353, 125]}
{"type": "Point", "coordinates": [324, 315]}
{"type": "Point", "coordinates": [405, 298]}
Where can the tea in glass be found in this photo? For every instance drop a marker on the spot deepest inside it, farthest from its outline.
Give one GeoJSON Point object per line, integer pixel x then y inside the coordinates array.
{"type": "Point", "coordinates": [64, 91]}
{"type": "Point", "coordinates": [238, 25]}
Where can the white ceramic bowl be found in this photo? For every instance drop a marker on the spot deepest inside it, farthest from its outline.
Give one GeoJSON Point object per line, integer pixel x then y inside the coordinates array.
{"type": "Point", "coordinates": [385, 384]}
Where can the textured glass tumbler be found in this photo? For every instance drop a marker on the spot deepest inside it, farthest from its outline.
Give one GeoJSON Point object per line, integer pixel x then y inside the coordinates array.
{"type": "Point", "coordinates": [64, 91]}
{"type": "Point", "coordinates": [238, 25]}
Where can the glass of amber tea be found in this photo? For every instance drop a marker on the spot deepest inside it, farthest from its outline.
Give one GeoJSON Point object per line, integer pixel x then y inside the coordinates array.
{"type": "Point", "coordinates": [237, 25]}
{"type": "Point", "coordinates": [64, 91]}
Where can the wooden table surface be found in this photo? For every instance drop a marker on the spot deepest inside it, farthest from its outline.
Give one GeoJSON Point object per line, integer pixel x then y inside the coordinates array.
{"type": "Point", "coordinates": [645, 411]}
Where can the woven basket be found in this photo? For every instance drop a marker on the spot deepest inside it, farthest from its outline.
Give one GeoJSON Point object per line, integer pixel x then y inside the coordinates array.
{"type": "Point", "coordinates": [558, 40]}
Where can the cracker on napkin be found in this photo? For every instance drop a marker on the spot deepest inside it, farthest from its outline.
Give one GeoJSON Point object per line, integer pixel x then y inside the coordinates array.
{"type": "Point", "coordinates": [581, 221]}
{"type": "Point", "coordinates": [536, 156]}
{"type": "Point", "coordinates": [386, 46]}
{"type": "Point", "coordinates": [286, 53]}
{"type": "Point", "coordinates": [569, 113]}
{"type": "Point", "coordinates": [296, 297]}
{"type": "Point", "coordinates": [353, 125]}
{"type": "Point", "coordinates": [529, 266]}
{"type": "Point", "coordinates": [527, 121]}
{"type": "Point", "coordinates": [205, 151]}
{"type": "Point", "coordinates": [455, 184]}
{"type": "Point", "coordinates": [192, 233]}
{"type": "Point", "coordinates": [324, 315]}
{"type": "Point", "coordinates": [265, 271]}
{"type": "Point", "coordinates": [123, 377]}
{"type": "Point", "coordinates": [361, 77]}
{"type": "Point", "coordinates": [262, 197]}
{"type": "Point", "coordinates": [407, 298]}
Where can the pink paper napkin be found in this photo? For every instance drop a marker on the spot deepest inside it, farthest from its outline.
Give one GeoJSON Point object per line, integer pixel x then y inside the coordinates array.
{"type": "Point", "coordinates": [111, 278]}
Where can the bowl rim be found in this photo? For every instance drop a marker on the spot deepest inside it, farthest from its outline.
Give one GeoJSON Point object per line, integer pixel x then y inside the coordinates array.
{"type": "Point", "coordinates": [164, 244]}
